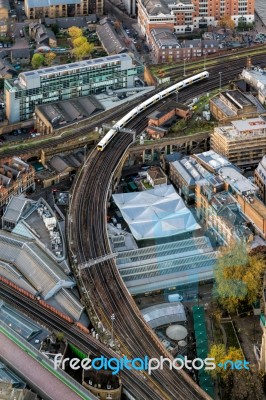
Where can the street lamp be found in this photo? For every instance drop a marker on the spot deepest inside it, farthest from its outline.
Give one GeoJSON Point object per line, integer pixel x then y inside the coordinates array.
{"type": "Point", "coordinates": [220, 73]}
{"type": "Point", "coordinates": [112, 319]}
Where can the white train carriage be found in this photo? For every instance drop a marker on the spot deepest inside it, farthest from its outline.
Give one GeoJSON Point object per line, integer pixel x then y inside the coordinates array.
{"type": "Point", "coordinates": [147, 103]}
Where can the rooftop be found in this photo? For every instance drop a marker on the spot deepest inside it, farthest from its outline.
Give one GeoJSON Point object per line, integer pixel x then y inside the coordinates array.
{"type": "Point", "coordinates": [243, 129]}
{"type": "Point", "coordinates": [212, 159]}
{"type": "Point", "coordinates": [165, 37]}
{"type": "Point", "coordinates": [237, 181]}
{"type": "Point", "coordinates": [156, 173]}
{"type": "Point", "coordinates": [68, 111]}
{"type": "Point", "coordinates": [31, 79]}
{"type": "Point", "coordinates": [155, 213]}
{"type": "Point", "coordinates": [249, 125]}
{"type": "Point", "coordinates": [258, 206]}
{"type": "Point", "coordinates": [256, 77]}
{"type": "Point", "coordinates": [237, 98]}
{"type": "Point", "coordinates": [224, 107]}
{"type": "Point", "coordinates": [110, 39]}
{"type": "Point", "coordinates": [49, 3]}
{"type": "Point", "coordinates": [164, 314]}
{"type": "Point", "coordinates": [190, 170]}
{"type": "Point", "coordinates": [164, 7]}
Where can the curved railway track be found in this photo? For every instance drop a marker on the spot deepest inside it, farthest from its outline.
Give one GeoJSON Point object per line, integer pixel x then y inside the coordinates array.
{"type": "Point", "coordinates": [88, 240]}
{"type": "Point", "coordinates": [105, 287]}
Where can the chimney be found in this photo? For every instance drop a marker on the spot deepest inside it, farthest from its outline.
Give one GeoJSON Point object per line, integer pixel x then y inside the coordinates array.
{"type": "Point", "coordinates": [249, 63]}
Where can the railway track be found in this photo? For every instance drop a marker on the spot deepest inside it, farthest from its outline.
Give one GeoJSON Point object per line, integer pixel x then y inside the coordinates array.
{"type": "Point", "coordinates": [132, 380]}
{"type": "Point", "coordinates": [88, 240]}
{"type": "Point", "coordinates": [228, 74]}
{"type": "Point", "coordinates": [106, 289]}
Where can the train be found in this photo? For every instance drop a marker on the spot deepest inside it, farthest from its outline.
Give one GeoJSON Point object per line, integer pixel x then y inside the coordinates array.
{"type": "Point", "coordinates": [147, 103]}
{"type": "Point", "coordinates": [44, 304]}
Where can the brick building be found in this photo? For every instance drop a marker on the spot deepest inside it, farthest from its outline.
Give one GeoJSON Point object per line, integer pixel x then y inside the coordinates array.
{"type": "Point", "coordinates": [156, 176]}
{"type": "Point", "coordinates": [255, 211]}
{"type": "Point", "coordinates": [16, 177]}
{"type": "Point", "coordinates": [232, 104]}
{"type": "Point", "coordinates": [185, 16]}
{"type": "Point", "coordinates": [35, 9]}
{"type": "Point", "coordinates": [165, 47]}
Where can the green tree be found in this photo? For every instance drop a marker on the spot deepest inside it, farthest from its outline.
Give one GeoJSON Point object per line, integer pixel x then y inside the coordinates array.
{"type": "Point", "coordinates": [82, 51]}
{"type": "Point", "coordinates": [79, 41]}
{"type": "Point", "coordinates": [49, 58]}
{"type": "Point", "coordinates": [37, 60]}
{"type": "Point", "coordinates": [220, 355]}
{"type": "Point", "coordinates": [74, 32]}
{"type": "Point", "coordinates": [238, 277]}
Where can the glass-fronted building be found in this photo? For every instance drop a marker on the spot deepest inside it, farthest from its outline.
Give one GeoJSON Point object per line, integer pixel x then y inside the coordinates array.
{"type": "Point", "coordinates": [67, 81]}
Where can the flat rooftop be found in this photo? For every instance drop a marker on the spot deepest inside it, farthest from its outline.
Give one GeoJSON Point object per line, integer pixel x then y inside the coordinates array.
{"type": "Point", "coordinates": [243, 129]}
{"type": "Point", "coordinates": [236, 180]}
{"type": "Point", "coordinates": [256, 77]}
{"type": "Point", "coordinates": [224, 107]}
{"type": "Point", "coordinates": [212, 159]}
{"type": "Point", "coordinates": [31, 79]}
{"type": "Point", "coordinates": [249, 125]}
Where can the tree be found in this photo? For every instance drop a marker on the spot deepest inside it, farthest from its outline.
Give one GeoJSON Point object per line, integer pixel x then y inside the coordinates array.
{"type": "Point", "coordinates": [79, 41]}
{"type": "Point", "coordinates": [226, 22]}
{"type": "Point", "coordinates": [117, 25]}
{"type": "Point", "coordinates": [59, 336]}
{"type": "Point", "coordinates": [220, 355]}
{"type": "Point", "coordinates": [74, 32]}
{"type": "Point", "coordinates": [37, 60]}
{"type": "Point", "coordinates": [244, 385]}
{"type": "Point", "coordinates": [238, 277]}
{"type": "Point", "coordinates": [55, 29]}
{"type": "Point", "coordinates": [49, 58]}
{"type": "Point", "coordinates": [83, 50]}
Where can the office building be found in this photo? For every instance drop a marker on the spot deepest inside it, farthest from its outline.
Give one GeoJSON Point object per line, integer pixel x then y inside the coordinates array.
{"type": "Point", "coordinates": [243, 142]}
{"type": "Point", "coordinates": [185, 16]}
{"type": "Point", "coordinates": [64, 82]}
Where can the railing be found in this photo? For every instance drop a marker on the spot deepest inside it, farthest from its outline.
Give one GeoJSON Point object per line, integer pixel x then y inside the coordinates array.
{"type": "Point", "coordinates": [45, 362]}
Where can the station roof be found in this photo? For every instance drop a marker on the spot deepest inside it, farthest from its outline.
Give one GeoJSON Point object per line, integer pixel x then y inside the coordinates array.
{"type": "Point", "coordinates": [33, 263]}
{"type": "Point", "coordinates": [155, 213]}
{"type": "Point", "coordinates": [163, 314]}
{"type": "Point", "coordinates": [20, 324]}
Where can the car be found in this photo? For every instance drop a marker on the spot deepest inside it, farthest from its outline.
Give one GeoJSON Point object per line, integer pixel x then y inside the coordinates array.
{"type": "Point", "coordinates": [135, 41]}
{"type": "Point", "coordinates": [33, 135]}
{"type": "Point", "coordinates": [1, 46]}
